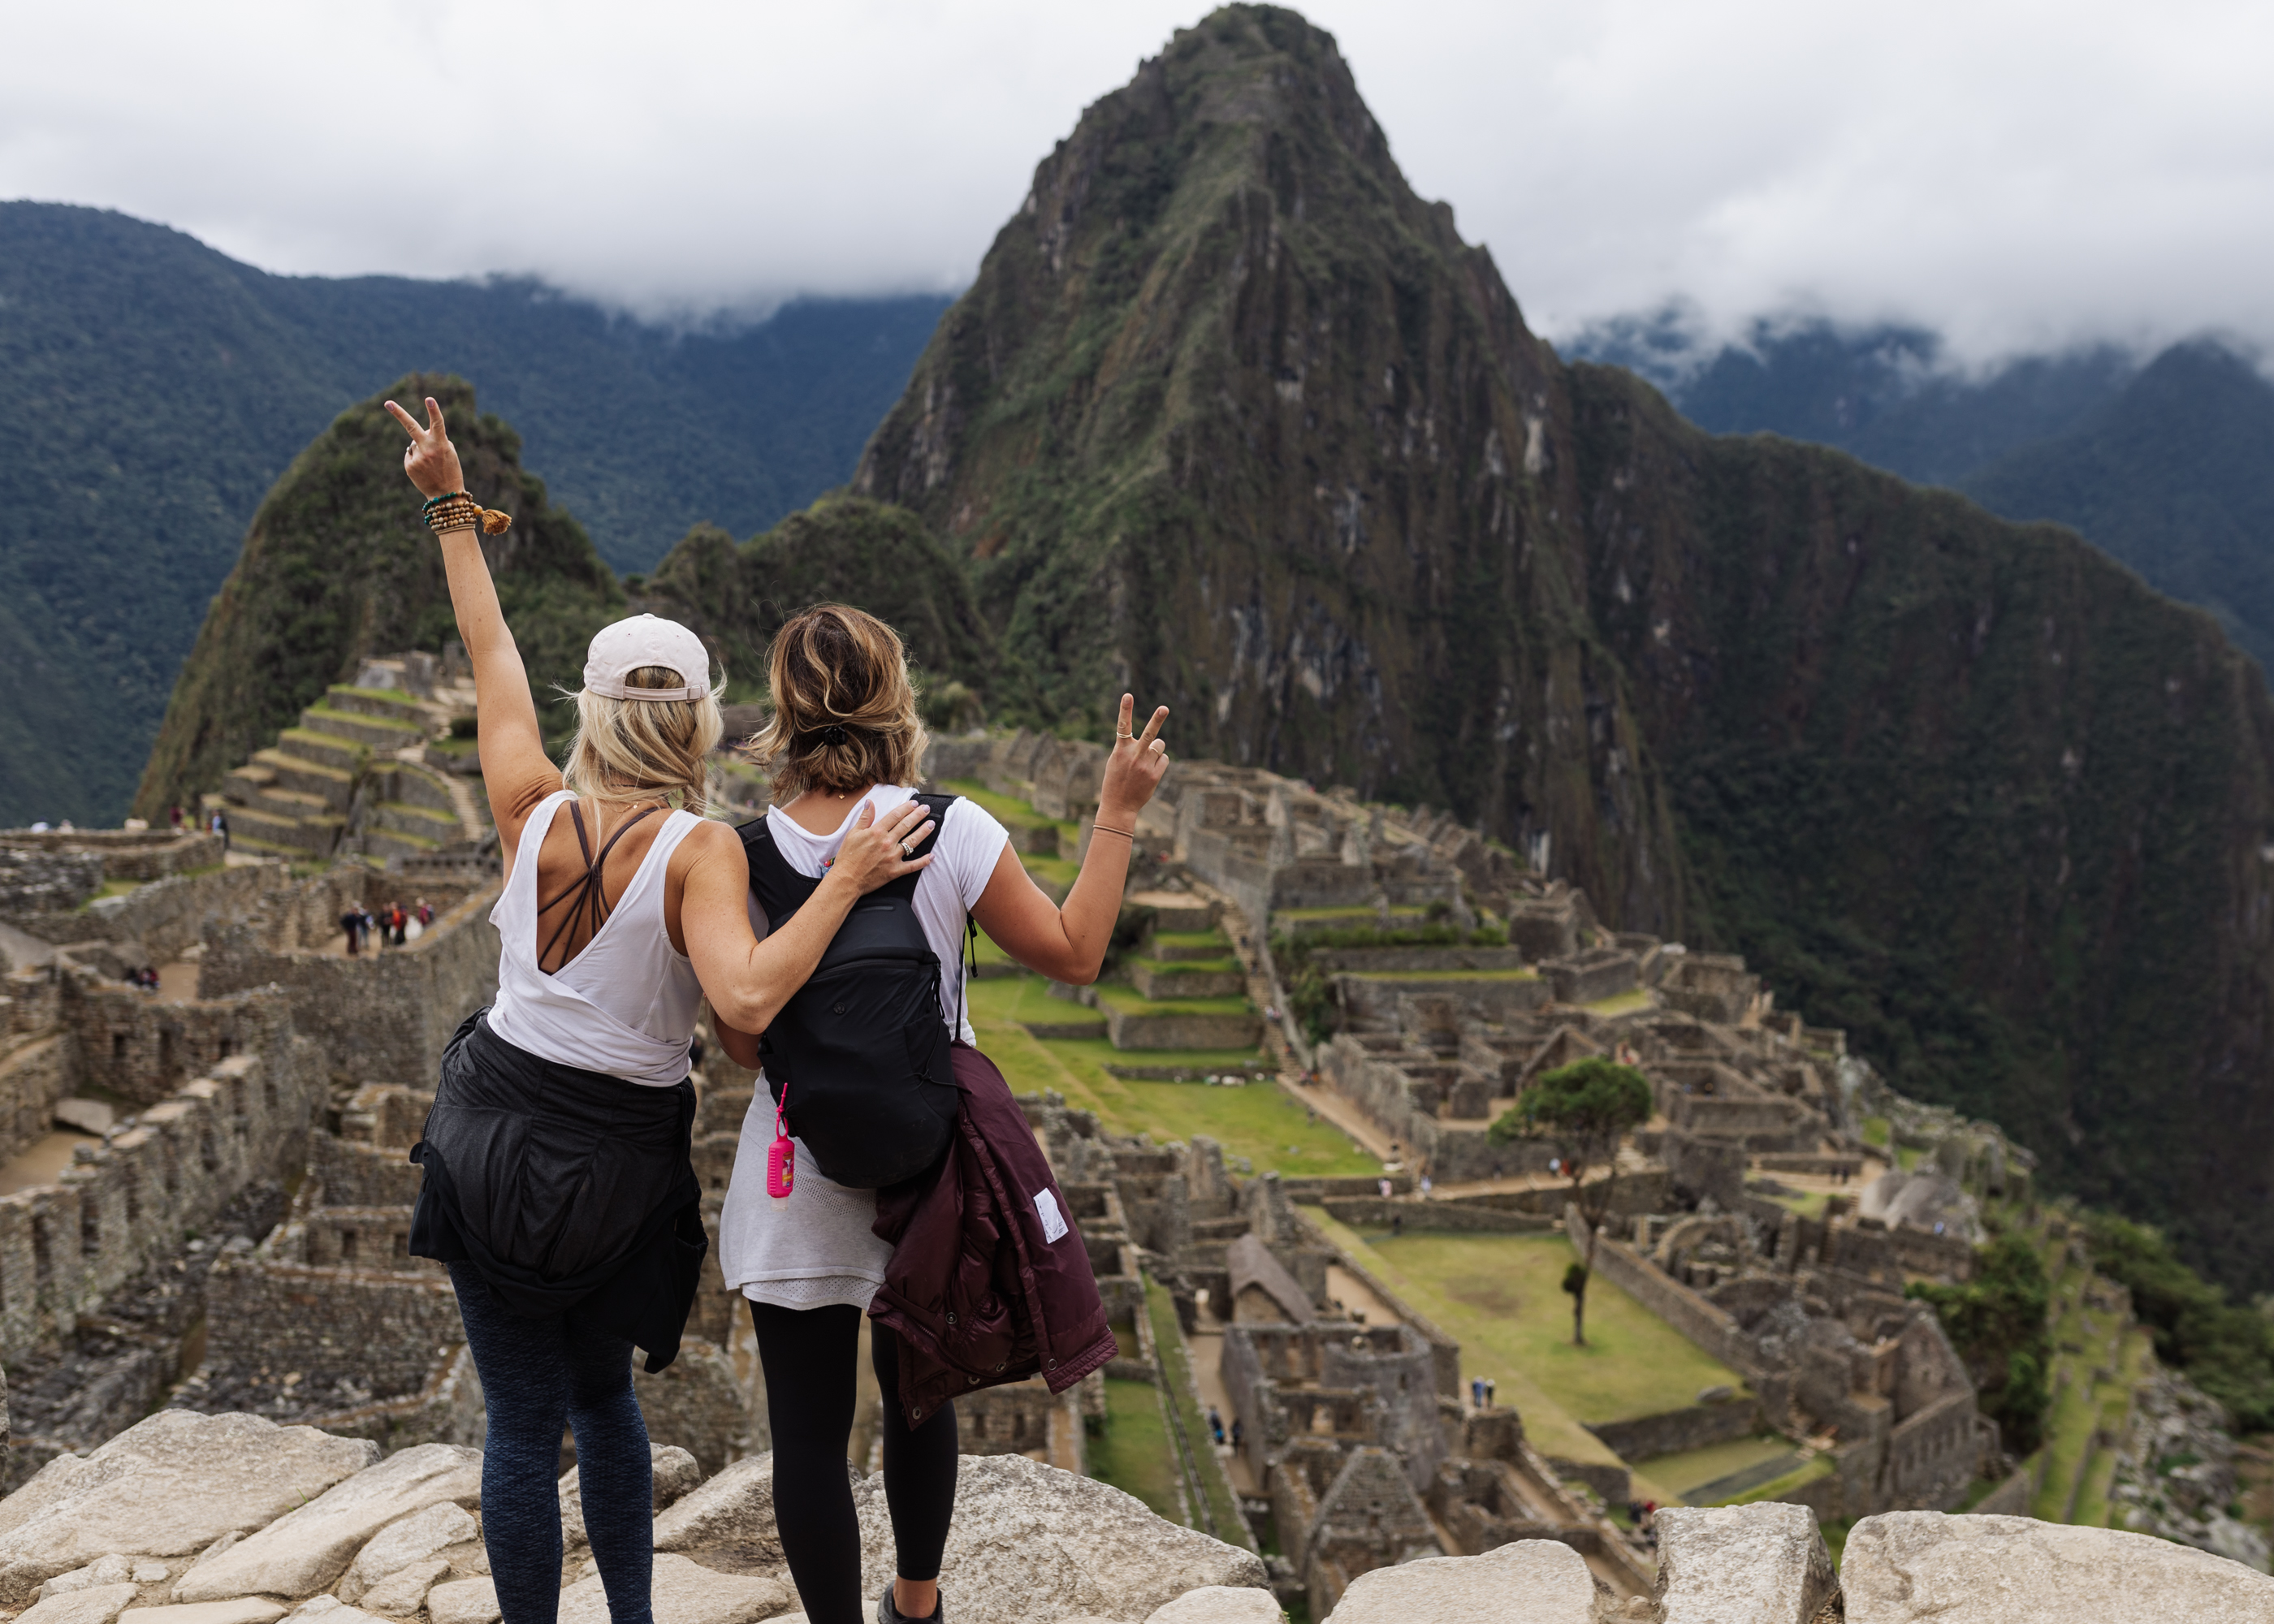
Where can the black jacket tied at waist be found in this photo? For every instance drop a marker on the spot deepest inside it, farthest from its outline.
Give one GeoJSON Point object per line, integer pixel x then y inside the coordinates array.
{"type": "Point", "coordinates": [564, 1188]}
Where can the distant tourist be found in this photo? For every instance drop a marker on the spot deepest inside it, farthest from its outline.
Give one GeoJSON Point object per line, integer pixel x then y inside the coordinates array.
{"type": "Point", "coordinates": [1492, 1392]}
{"type": "Point", "coordinates": [1476, 1392]}
{"type": "Point", "coordinates": [425, 913]}
{"type": "Point", "coordinates": [1426, 1186]}
{"type": "Point", "coordinates": [1216, 1424]}
{"type": "Point", "coordinates": [351, 921]}
{"type": "Point", "coordinates": [221, 828]}
{"type": "Point", "coordinates": [1235, 1432]}
{"type": "Point", "coordinates": [173, 817]}
{"type": "Point", "coordinates": [1384, 1186]}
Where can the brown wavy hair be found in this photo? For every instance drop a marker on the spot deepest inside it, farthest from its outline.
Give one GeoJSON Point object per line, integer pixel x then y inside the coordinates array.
{"type": "Point", "coordinates": [842, 713]}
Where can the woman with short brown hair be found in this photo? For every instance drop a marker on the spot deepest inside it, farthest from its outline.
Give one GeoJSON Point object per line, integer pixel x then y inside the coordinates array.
{"type": "Point", "coordinates": [843, 740]}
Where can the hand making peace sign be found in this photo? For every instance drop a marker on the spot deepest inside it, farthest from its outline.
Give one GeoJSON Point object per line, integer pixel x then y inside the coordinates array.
{"type": "Point", "coordinates": [1133, 770]}
{"type": "Point", "coordinates": [430, 459]}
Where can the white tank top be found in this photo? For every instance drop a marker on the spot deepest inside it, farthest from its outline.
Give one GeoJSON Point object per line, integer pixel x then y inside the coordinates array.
{"type": "Point", "coordinates": [627, 1005]}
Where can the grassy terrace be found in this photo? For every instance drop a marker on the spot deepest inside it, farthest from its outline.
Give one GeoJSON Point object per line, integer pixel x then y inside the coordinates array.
{"type": "Point", "coordinates": [1132, 1453]}
{"type": "Point", "coordinates": [1009, 812]}
{"type": "Point", "coordinates": [1192, 939]}
{"type": "Point", "coordinates": [2076, 1472]}
{"type": "Point", "coordinates": [1499, 1296]}
{"type": "Point", "coordinates": [1258, 1122]}
{"type": "Point", "coordinates": [1129, 1001]}
{"type": "Point", "coordinates": [1363, 915]}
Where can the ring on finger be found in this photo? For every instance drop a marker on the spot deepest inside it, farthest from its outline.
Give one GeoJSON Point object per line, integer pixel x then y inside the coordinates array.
{"type": "Point", "coordinates": [908, 852]}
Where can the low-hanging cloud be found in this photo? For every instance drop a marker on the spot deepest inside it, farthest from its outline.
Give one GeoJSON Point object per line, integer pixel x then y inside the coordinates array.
{"type": "Point", "coordinates": [2019, 176]}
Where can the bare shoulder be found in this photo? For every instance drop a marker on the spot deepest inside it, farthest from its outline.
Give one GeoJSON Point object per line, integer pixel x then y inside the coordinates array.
{"type": "Point", "coordinates": [710, 841]}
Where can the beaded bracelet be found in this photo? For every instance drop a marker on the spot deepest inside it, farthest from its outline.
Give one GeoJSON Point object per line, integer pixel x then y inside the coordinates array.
{"type": "Point", "coordinates": [454, 510]}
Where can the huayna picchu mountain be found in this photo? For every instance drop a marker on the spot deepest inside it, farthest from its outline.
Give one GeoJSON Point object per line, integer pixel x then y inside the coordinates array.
{"type": "Point", "coordinates": [338, 567]}
{"type": "Point", "coordinates": [1231, 417]}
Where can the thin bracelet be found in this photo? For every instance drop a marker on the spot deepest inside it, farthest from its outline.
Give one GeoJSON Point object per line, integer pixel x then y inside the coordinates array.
{"type": "Point", "coordinates": [1129, 835]}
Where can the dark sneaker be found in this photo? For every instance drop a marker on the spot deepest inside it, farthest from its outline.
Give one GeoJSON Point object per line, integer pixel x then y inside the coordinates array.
{"type": "Point", "coordinates": [887, 1614]}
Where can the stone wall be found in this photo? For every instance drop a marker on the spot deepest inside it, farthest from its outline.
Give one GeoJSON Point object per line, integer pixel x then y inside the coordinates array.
{"type": "Point", "coordinates": [1694, 1426]}
{"type": "Point", "coordinates": [1446, 1217]}
{"type": "Point", "coordinates": [65, 1247]}
{"type": "Point", "coordinates": [45, 882]}
{"type": "Point", "coordinates": [167, 916]}
{"type": "Point", "coordinates": [381, 1017]}
{"type": "Point", "coordinates": [140, 1050]}
{"type": "Point", "coordinates": [383, 1331]}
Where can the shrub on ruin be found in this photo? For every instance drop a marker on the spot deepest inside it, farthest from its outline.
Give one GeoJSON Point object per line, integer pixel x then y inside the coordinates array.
{"type": "Point", "coordinates": [1998, 1321]}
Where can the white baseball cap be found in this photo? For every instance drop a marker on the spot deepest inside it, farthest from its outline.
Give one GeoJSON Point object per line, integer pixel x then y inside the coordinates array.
{"type": "Point", "coordinates": [646, 640]}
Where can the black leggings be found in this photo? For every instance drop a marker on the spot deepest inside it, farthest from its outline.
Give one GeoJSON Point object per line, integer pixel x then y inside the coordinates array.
{"type": "Point", "coordinates": [536, 1375]}
{"type": "Point", "coordinates": [809, 1354]}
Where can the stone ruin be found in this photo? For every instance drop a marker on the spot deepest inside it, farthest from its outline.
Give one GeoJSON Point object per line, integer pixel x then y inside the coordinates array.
{"type": "Point", "coordinates": [222, 1227]}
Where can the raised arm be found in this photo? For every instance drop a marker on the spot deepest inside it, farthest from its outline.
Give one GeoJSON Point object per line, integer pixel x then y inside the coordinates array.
{"type": "Point", "coordinates": [1068, 943]}
{"type": "Point", "coordinates": [514, 767]}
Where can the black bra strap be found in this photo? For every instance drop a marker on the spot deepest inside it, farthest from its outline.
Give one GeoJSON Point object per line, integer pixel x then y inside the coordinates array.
{"type": "Point", "coordinates": [591, 901]}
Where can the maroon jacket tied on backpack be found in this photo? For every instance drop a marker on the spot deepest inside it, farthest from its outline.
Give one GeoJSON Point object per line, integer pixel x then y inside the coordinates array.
{"type": "Point", "coordinates": [989, 1280]}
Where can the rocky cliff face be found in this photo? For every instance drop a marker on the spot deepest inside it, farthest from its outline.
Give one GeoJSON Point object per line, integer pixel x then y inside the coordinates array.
{"type": "Point", "coordinates": [1231, 417]}
{"type": "Point", "coordinates": [338, 567]}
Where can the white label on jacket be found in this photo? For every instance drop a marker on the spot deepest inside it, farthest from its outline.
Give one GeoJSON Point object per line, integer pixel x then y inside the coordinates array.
{"type": "Point", "coordinates": [1046, 1208]}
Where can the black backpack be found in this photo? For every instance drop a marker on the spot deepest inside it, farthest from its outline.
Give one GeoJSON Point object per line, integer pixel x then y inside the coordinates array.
{"type": "Point", "coordinates": [863, 1048]}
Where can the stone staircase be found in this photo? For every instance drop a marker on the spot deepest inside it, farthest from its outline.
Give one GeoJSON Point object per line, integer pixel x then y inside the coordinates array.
{"type": "Point", "coordinates": [358, 775]}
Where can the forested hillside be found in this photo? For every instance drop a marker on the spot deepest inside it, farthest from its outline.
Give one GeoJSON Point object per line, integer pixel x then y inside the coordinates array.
{"type": "Point", "coordinates": [338, 566]}
{"type": "Point", "coordinates": [1231, 417]}
{"type": "Point", "coordinates": [161, 388]}
{"type": "Point", "coordinates": [2169, 467]}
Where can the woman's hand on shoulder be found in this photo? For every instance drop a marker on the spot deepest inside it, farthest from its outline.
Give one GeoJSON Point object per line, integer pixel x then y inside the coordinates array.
{"type": "Point", "coordinates": [1135, 768]}
{"type": "Point", "coordinates": [876, 852]}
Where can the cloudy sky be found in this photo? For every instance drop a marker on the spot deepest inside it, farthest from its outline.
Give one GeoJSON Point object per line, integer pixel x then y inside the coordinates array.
{"type": "Point", "coordinates": [2019, 174]}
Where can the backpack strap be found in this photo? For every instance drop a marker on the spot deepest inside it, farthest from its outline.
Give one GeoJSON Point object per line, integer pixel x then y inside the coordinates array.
{"type": "Point", "coordinates": [968, 965]}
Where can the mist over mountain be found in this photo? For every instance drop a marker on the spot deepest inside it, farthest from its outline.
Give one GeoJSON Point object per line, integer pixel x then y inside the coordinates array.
{"type": "Point", "coordinates": [2168, 466]}
{"type": "Point", "coordinates": [161, 388]}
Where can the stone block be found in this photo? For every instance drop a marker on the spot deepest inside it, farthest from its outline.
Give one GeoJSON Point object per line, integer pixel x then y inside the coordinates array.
{"type": "Point", "coordinates": [403, 1591]}
{"type": "Point", "coordinates": [104, 1570]}
{"type": "Point", "coordinates": [686, 1592]}
{"type": "Point", "coordinates": [307, 1550]}
{"type": "Point", "coordinates": [87, 1116]}
{"type": "Point", "coordinates": [464, 1601]}
{"type": "Point", "coordinates": [399, 1545]}
{"type": "Point", "coordinates": [1529, 1581]}
{"type": "Point", "coordinates": [728, 1522]}
{"type": "Point", "coordinates": [330, 1610]}
{"type": "Point", "coordinates": [1167, 979]}
{"type": "Point", "coordinates": [1030, 1542]}
{"type": "Point", "coordinates": [170, 1485]}
{"type": "Point", "coordinates": [1915, 1565]}
{"type": "Point", "coordinates": [1759, 1564]}
{"type": "Point", "coordinates": [236, 1610]}
{"type": "Point", "coordinates": [1219, 1603]}
{"type": "Point", "coordinates": [94, 1604]}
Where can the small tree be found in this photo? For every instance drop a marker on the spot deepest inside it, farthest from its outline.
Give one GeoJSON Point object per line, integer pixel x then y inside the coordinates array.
{"type": "Point", "coordinates": [1584, 1110]}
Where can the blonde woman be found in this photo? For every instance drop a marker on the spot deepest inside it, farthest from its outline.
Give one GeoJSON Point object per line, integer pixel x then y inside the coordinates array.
{"type": "Point", "coordinates": [557, 1183]}
{"type": "Point", "coordinates": [843, 744]}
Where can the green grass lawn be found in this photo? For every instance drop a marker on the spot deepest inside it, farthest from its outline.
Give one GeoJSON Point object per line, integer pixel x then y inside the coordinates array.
{"type": "Point", "coordinates": [1694, 1468]}
{"type": "Point", "coordinates": [1397, 911]}
{"type": "Point", "coordinates": [1623, 1003]}
{"type": "Point", "coordinates": [1008, 809]}
{"type": "Point", "coordinates": [1807, 1203]}
{"type": "Point", "coordinates": [1784, 1487]}
{"type": "Point", "coordinates": [1501, 1296]}
{"type": "Point", "coordinates": [1192, 938]}
{"type": "Point", "coordinates": [1260, 1121]}
{"type": "Point", "coordinates": [1132, 1453]}
{"type": "Point", "coordinates": [1169, 968]}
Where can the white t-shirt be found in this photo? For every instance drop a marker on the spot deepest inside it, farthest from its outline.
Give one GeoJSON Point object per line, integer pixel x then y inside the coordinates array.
{"type": "Point", "coordinates": [969, 845]}
{"type": "Point", "coordinates": [818, 1245]}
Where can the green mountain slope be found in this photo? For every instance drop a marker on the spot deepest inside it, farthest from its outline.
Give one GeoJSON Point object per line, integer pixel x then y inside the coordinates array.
{"type": "Point", "coordinates": [338, 567]}
{"type": "Point", "coordinates": [161, 388]}
{"type": "Point", "coordinates": [1230, 417]}
{"type": "Point", "coordinates": [841, 550]}
{"type": "Point", "coordinates": [2174, 477]}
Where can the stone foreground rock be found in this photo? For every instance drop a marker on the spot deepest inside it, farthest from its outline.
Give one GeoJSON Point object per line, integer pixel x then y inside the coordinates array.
{"type": "Point", "coordinates": [169, 1485]}
{"type": "Point", "coordinates": [1531, 1582]}
{"type": "Point", "coordinates": [189, 1519]}
{"type": "Point", "coordinates": [1761, 1564]}
{"type": "Point", "coordinates": [1031, 1543]}
{"type": "Point", "coordinates": [1904, 1566]}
